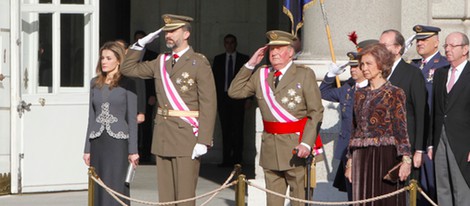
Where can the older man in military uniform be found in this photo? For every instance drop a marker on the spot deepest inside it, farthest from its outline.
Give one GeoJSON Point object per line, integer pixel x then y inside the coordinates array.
{"type": "Point", "coordinates": [186, 117]}
{"type": "Point", "coordinates": [427, 46]}
{"type": "Point", "coordinates": [290, 104]}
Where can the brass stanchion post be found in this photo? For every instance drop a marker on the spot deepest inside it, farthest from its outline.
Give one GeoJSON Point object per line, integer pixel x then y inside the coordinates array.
{"type": "Point", "coordinates": [240, 191]}
{"type": "Point", "coordinates": [413, 192]}
{"type": "Point", "coordinates": [91, 186]}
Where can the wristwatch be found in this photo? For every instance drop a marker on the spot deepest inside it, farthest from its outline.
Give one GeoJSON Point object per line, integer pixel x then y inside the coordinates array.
{"type": "Point", "coordinates": [406, 159]}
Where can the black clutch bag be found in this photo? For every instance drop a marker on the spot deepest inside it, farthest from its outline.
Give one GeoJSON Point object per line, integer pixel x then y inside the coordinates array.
{"type": "Point", "coordinates": [392, 174]}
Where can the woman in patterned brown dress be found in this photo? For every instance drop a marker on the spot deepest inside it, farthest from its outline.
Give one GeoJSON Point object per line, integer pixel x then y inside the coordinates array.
{"type": "Point", "coordinates": [380, 139]}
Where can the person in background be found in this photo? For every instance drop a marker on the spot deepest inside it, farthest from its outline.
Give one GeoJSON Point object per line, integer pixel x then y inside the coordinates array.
{"type": "Point", "coordinates": [379, 140]}
{"type": "Point", "coordinates": [410, 79]}
{"type": "Point", "coordinates": [291, 108]}
{"type": "Point", "coordinates": [111, 141]}
{"type": "Point", "coordinates": [141, 109]}
{"type": "Point", "coordinates": [146, 128]}
{"type": "Point", "coordinates": [187, 107]}
{"type": "Point", "coordinates": [344, 95]}
{"type": "Point", "coordinates": [231, 111]}
{"type": "Point", "coordinates": [451, 124]}
{"type": "Point", "coordinates": [427, 46]}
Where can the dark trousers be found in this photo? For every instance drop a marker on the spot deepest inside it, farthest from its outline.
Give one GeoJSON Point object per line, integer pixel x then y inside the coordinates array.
{"type": "Point", "coordinates": [231, 115]}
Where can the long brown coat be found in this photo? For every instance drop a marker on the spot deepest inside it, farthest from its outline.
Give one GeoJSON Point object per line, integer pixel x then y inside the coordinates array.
{"type": "Point", "coordinates": [276, 150]}
{"type": "Point", "coordinates": [172, 136]}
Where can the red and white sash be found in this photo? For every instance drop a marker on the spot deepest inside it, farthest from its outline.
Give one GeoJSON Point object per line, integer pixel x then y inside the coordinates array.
{"type": "Point", "coordinates": [173, 96]}
{"type": "Point", "coordinates": [281, 114]}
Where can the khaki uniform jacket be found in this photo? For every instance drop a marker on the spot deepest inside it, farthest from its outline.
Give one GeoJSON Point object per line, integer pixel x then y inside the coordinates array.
{"type": "Point", "coordinates": [299, 81]}
{"type": "Point", "coordinates": [173, 136]}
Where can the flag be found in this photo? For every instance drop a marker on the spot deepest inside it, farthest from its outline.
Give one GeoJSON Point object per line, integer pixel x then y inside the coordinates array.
{"type": "Point", "coordinates": [295, 9]}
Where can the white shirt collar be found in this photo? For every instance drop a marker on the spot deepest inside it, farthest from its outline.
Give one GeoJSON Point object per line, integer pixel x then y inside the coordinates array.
{"type": "Point", "coordinates": [393, 67]}
{"type": "Point", "coordinates": [362, 84]}
{"type": "Point", "coordinates": [430, 57]}
{"type": "Point", "coordinates": [284, 70]}
{"type": "Point", "coordinates": [180, 54]}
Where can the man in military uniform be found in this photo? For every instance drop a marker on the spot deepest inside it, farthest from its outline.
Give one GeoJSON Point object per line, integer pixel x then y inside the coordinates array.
{"type": "Point", "coordinates": [292, 111]}
{"type": "Point", "coordinates": [186, 117]}
{"type": "Point", "coordinates": [344, 95]}
{"type": "Point", "coordinates": [427, 46]}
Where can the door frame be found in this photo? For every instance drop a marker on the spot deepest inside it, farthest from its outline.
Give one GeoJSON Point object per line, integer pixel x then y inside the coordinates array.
{"type": "Point", "coordinates": [92, 42]}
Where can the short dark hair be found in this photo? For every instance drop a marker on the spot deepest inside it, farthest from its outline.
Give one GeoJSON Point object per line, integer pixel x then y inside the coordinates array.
{"type": "Point", "coordinates": [230, 36]}
{"type": "Point", "coordinates": [141, 32]}
{"type": "Point", "coordinates": [399, 39]}
{"type": "Point", "coordinates": [382, 56]}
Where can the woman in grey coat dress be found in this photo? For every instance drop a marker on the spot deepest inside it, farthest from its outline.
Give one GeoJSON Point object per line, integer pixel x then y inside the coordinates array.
{"type": "Point", "coordinates": [111, 142]}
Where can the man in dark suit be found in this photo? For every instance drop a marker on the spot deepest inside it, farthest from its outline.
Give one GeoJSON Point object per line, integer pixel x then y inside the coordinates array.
{"type": "Point", "coordinates": [451, 125]}
{"type": "Point", "coordinates": [427, 46]}
{"type": "Point", "coordinates": [410, 79]}
{"type": "Point", "coordinates": [146, 128]}
{"type": "Point", "coordinates": [231, 111]}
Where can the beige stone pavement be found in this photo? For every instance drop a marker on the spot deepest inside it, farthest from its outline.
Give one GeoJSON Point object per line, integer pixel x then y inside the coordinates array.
{"type": "Point", "coordinates": [145, 188]}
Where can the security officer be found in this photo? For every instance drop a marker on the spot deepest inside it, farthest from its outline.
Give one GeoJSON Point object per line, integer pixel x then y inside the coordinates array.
{"type": "Point", "coordinates": [185, 121]}
{"type": "Point", "coordinates": [292, 111]}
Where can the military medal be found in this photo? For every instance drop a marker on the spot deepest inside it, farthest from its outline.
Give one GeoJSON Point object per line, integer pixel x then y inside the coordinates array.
{"type": "Point", "coordinates": [430, 75]}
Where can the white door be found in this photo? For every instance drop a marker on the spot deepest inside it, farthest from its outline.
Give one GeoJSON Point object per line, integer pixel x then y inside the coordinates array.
{"type": "Point", "coordinates": [58, 51]}
{"type": "Point", "coordinates": [4, 96]}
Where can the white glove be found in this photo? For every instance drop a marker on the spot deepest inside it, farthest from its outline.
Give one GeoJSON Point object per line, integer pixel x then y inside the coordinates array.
{"type": "Point", "coordinates": [335, 70]}
{"type": "Point", "coordinates": [199, 150]}
{"type": "Point", "coordinates": [146, 39]}
{"type": "Point", "coordinates": [409, 43]}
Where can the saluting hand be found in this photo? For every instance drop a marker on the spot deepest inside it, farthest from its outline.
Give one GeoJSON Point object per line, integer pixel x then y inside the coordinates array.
{"type": "Point", "coordinates": [257, 56]}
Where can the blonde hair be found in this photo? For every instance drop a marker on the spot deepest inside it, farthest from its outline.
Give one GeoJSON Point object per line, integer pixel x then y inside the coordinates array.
{"type": "Point", "coordinates": [119, 52]}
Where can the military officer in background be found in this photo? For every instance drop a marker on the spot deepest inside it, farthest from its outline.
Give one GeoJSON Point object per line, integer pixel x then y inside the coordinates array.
{"type": "Point", "coordinates": [427, 46]}
{"type": "Point", "coordinates": [344, 95]}
{"type": "Point", "coordinates": [292, 111]}
{"type": "Point", "coordinates": [186, 117]}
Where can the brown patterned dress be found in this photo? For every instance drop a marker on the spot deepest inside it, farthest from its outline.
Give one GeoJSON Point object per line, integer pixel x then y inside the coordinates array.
{"type": "Point", "coordinates": [378, 142]}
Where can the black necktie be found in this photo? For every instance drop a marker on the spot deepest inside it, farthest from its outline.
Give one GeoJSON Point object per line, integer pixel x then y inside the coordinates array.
{"type": "Point", "coordinates": [277, 74]}
{"type": "Point", "coordinates": [173, 62]}
{"type": "Point", "coordinates": [229, 70]}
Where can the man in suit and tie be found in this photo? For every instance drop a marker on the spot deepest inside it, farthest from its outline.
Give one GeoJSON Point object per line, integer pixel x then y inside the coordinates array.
{"type": "Point", "coordinates": [427, 46]}
{"type": "Point", "coordinates": [451, 124]}
{"type": "Point", "coordinates": [231, 111]}
{"type": "Point", "coordinates": [410, 79]}
{"type": "Point", "coordinates": [290, 103]}
{"type": "Point", "coordinates": [188, 107]}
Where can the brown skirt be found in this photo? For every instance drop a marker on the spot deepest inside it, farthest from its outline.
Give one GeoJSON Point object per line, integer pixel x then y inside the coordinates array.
{"type": "Point", "coordinates": [370, 164]}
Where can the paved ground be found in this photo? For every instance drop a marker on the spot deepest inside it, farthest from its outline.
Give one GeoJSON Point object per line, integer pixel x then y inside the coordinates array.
{"type": "Point", "coordinates": [145, 188]}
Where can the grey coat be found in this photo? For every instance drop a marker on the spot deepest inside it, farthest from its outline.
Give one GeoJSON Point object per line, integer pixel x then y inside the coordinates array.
{"type": "Point", "coordinates": [114, 112]}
